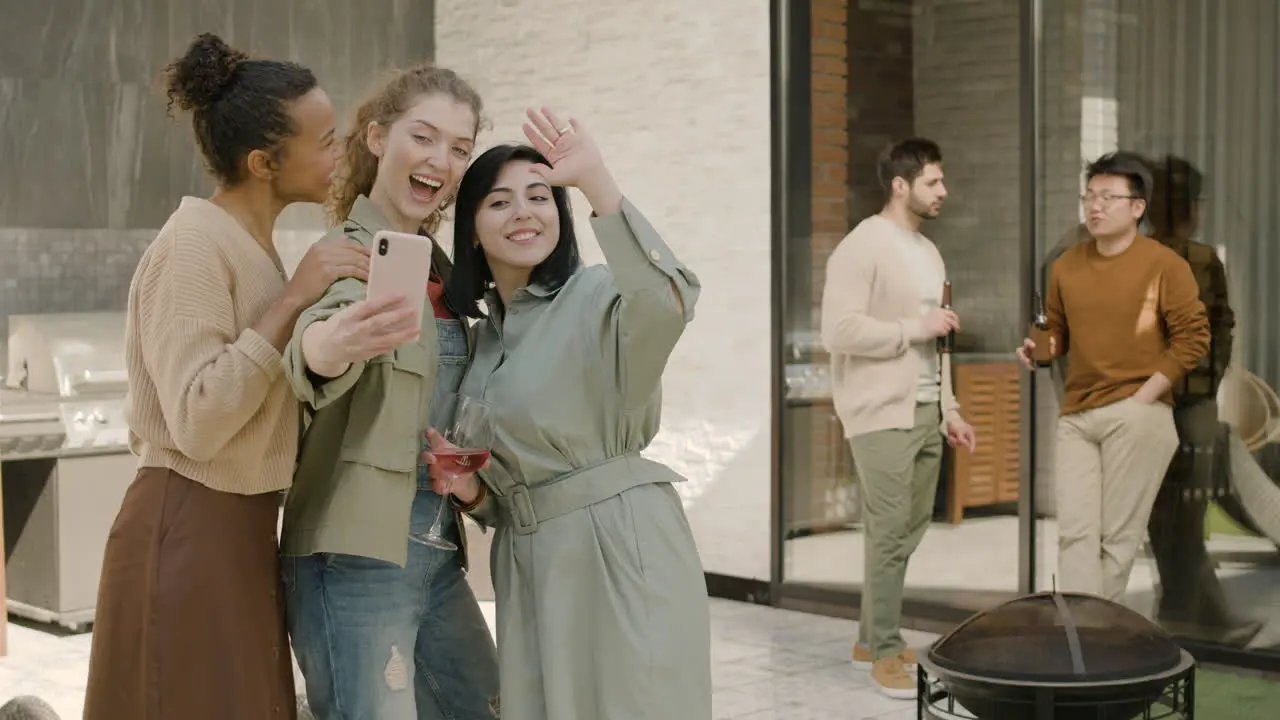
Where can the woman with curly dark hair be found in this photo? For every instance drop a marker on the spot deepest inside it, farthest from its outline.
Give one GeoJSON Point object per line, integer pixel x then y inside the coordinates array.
{"type": "Point", "coordinates": [190, 619]}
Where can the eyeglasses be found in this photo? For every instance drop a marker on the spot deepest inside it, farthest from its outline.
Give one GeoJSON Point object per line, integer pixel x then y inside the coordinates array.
{"type": "Point", "coordinates": [1105, 198]}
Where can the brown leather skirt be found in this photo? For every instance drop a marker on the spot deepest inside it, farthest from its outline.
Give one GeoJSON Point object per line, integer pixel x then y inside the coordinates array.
{"type": "Point", "coordinates": [190, 617]}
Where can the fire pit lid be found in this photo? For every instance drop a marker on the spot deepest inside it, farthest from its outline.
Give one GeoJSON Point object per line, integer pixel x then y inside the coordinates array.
{"type": "Point", "coordinates": [1057, 638]}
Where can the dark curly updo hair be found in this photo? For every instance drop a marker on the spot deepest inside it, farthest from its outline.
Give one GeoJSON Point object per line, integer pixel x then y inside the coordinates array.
{"type": "Point", "coordinates": [238, 104]}
{"type": "Point", "coordinates": [358, 167]}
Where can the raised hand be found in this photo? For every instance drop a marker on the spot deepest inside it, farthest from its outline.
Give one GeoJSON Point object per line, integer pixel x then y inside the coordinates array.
{"type": "Point", "coordinates": [575, 159]}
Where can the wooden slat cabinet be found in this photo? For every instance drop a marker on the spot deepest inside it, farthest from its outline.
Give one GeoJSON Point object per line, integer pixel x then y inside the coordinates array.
{"type": "Point", "coordinates": [988, 394]}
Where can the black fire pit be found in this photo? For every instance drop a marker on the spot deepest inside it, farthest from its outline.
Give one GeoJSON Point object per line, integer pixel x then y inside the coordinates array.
{"type": "Point", "coordinates": [1056, 656]}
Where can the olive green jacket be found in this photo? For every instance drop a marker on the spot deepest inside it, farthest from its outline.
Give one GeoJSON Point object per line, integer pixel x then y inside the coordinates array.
{"type": "Point", "coordinates": [362, 436]}
{"type": "Point", "coordinates": [574, 375]}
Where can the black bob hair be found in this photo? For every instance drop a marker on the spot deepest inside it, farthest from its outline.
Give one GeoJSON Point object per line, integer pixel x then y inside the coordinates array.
{"type": "Point", "coordinates": [471, 276]}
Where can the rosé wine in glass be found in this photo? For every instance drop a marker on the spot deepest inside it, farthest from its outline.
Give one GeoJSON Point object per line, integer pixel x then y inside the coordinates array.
{"type": "Point", "coordinates": [467, 439]}
{"type": "Point", "coordinates": [458, 461]}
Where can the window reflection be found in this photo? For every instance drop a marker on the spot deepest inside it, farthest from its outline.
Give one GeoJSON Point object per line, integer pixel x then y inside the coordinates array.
{"type": "Point", "coordinates": [1190, 86]}
{"type": "Point", "coordinates": [1208, 570]}
{"type": "Point", "coordinates": [898, 78]}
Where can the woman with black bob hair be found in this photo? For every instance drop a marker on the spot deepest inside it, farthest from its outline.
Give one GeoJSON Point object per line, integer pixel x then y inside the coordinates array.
{"type": "Point", "coordinates": [601, 601]}
{"type": "Point", "coordinates": [471, 268]}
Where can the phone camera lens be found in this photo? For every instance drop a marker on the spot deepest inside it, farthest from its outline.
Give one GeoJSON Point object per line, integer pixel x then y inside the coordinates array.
{"type": "Point", "coordinates": [382, 246]}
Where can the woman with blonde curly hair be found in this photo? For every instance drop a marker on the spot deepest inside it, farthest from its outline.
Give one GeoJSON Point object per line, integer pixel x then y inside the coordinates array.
{"type": "Point", "coordinates": [384, 625]}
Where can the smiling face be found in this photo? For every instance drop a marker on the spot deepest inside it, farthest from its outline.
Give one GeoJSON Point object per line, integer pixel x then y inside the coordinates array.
{"type": "Point", "coordinates": [517, 223]}
{"type": "Point", "coordinates": [421, 158]}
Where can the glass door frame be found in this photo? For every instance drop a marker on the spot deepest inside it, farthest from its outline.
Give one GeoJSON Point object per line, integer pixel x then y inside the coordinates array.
{"type": "Point", "coordinates": [791, 132]}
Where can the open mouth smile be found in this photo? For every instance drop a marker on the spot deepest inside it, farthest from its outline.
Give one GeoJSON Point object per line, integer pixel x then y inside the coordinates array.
{"type": "Point", "coordinates": [424, 188]}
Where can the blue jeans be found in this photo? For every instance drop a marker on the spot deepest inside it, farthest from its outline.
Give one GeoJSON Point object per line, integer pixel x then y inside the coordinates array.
{"type": "Point", "coordinates": [379, 642]}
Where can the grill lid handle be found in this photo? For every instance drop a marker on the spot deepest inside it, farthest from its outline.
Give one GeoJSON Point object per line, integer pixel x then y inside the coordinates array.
{"type": "Point", "coordinates": [1073, 635]}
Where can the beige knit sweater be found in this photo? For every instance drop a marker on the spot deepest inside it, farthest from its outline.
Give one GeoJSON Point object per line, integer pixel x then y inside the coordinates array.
{"type": "Point", "coordinates": [207, 397]}
{"type": "Point", "coordinates": [871, 318]}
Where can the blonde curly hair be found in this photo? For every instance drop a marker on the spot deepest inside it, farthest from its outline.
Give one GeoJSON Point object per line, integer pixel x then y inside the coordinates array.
{"type": "Point", "coordinates": [358, 166]}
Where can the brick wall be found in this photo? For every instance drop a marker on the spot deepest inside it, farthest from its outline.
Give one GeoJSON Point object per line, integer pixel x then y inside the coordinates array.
{"type": "Point", "coordinates": [966, 55]}
{"type": "Point", "coordinates": [678, 96]}
{"type": "Point", "coordinates": [829, 89]}
{"type": "Point", "coordinates": [881, 103]}
{"type": "Point", "coordinates": [817, 460]}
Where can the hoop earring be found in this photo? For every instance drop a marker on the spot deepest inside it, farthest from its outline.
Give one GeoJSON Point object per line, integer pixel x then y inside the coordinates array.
{"type": "Point", "coordinates": [436, 218]}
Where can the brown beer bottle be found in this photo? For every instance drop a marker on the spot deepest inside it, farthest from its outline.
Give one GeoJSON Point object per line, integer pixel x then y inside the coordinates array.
{"type": "Point", "coordinates": [947, 342]}
{"type": "Point", "coordinates": [1042, 353]}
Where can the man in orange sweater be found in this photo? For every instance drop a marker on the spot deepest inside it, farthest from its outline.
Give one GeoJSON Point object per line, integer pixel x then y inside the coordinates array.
{"type": "Point", "coordinates": [1126, 312]}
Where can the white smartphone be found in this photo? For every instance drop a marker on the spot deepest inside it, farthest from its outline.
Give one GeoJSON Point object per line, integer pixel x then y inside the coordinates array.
{"type": "Point", "coordinates": [400, 264]}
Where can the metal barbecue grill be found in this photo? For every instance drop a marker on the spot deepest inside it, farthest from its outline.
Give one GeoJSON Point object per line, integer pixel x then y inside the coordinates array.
{"type": "Point", "coordinates": [64, 445]}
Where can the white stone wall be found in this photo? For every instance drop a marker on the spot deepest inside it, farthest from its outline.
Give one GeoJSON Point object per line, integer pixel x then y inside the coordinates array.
{"type": "Point", "coordinates": [677, 94]}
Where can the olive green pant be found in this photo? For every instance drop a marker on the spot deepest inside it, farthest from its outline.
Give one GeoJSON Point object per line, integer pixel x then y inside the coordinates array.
{"type": "Point", "coordinates": [898, 475]}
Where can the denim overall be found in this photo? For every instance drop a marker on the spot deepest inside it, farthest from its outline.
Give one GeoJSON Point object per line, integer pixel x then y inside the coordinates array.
{"type": "Point", "coordinates": [391, 642]}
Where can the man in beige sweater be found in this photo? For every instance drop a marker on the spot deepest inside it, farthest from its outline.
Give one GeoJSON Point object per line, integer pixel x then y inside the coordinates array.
{"type": "Point", "coordinates": [881, 316]}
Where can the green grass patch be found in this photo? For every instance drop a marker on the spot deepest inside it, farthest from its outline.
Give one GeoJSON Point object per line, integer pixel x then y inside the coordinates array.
{"type": "Point", "coordinates": [1218, 522]}
{"type": "Point", "coordinates": [1224, 695]}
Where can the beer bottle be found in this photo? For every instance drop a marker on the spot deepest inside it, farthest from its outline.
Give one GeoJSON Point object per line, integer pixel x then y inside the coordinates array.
{"type": "Point", "coordinates": [1042, 353]}
{"type": "Point", "coordinates": [947, 342]}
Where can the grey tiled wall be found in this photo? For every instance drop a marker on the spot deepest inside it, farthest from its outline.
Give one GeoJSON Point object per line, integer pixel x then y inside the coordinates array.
{"type": "Point", "coordinates": [90, 165]}
{"type": "Point", "coordinates": [967, 59]}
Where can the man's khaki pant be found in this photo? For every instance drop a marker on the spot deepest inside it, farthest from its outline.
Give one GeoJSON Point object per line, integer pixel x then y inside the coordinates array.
{"type": "Point", "coordinates": [898, 474]}
{"type": "Point", "coordinates": [1109, 464]}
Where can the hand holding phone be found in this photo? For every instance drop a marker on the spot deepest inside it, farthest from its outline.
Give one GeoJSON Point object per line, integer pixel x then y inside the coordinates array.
{"type": "Point", "coordinates": [360, 331]}
{"type": "Point", "coordinates": [388, 317]}
{"type": "Point", "coordinates": [400, 267]}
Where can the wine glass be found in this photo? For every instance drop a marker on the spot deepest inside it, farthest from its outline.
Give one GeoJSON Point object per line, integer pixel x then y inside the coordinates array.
{"type": "Point", "coordinates": [468, 437]}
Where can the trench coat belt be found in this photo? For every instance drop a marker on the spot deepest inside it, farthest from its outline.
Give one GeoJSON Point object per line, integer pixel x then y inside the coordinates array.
{"type": "Point", "coordinates": [528, 506]}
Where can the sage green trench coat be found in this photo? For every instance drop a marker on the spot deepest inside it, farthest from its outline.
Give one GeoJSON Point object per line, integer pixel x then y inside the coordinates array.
{"type": "Point", "coordinates": [601, 599]}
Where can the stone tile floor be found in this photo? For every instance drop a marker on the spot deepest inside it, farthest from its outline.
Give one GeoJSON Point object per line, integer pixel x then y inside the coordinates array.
{"type": "Point", "coordinates": [766, 664]}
